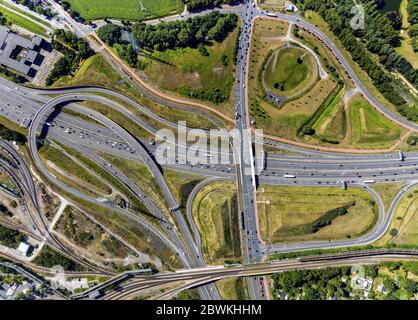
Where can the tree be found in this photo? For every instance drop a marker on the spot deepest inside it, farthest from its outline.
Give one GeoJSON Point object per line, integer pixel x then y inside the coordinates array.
{"type": "Point", "coordinates": [395, 19]}
{"type": "Point", "coordinates": [127, 53]}
{"type": "Point", "coordinates": [13, 204]}
{"type": "Point", "coordinates": [202, 49]}
{"type": "Point", "coordinates": [110, 33]}
{"type": "Point", "coordinates": [308, 130]}
{"type": "Point", "coordinates": [185, 34]}
{"type": "Point", "coordinates": [202, 4]}
{"type": "Point", "coordinates": [65, 5]}
{"type": "Point", "coordinates": [74, 14]}
{"type": "Point", "coordinates": [224, 59]}
{"type": "Point", "coordinates": [394, 232]}
{"type": "Point", "coordinates": [412, 140]}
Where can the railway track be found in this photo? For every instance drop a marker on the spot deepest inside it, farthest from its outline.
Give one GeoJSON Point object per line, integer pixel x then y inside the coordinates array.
{"type": "Point", "coordinates": [201, 276]}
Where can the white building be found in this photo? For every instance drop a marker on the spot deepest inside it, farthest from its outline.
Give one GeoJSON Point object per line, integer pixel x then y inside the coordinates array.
{"type": "Point", "coordinates": [290, 7]}
{"type": "Point", "coordinates": [24, 248]}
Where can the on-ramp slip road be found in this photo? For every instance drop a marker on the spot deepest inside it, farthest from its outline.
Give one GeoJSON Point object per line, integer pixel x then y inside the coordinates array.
{"type": "Point", "coordinates": [141, 152]}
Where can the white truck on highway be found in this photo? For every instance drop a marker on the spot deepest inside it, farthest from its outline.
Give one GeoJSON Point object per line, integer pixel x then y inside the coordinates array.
{"type": "Point", "coordinates": [289, 176]}
{"type": "Point", "coordinates": [369, 181]}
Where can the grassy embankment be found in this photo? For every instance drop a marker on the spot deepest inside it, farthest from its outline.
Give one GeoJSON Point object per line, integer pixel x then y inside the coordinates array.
{"type": "Point", "coordinates": [187, 72]}
{"type": "Point", "coordinates": [369, 129]}
{"type": "Point", "coordinates": [72, 173]}
{"type": "Point", "coordinates": [289, 70]}
{"type": "Point", "coordinates": [95, 71]}
{"type": "Point", "coordinates": [323, 213]}
{"type": "Point", "coordinates": [287, 120]}
{"type": "Point", "coordinates": [232, 289]}
{"type": "Point", "coordinates": [215, 211]}
{"type": "Point", "coordinates": [13, 18]}
{"type": "Point", "coordinates": [404, 227]}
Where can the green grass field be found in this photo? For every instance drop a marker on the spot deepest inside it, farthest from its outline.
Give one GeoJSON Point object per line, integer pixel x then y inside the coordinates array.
{"type": "Point", "coordinates": [288, 70]}
{"type": "Point", "coordinates": [332, 123]}
{"type": "Point", "coordinates": [187, 72]}
{"type": "Point", "coordinates": [405, 221]}
{"type": "Point", "coordinates": [285, 121]}
{"type": "Point", "coordinates": [22, 22]}
{"type": "Point", "coordinates": [387, 191]}
{"type": "Point", "coordinates": [232, 289]}
{"type": "Point", "coordinates": [286, 213]}
{"type": "Point", "coordinates": [42, 21]}
{"type": "Point", "coordinates": [126, 9]}
{"type": "Point", "coordinates": [216, 215]}
{"type": "Point", "coordinates": [369, 128]}
{"type": "Point", "coordinates": [96, 71]}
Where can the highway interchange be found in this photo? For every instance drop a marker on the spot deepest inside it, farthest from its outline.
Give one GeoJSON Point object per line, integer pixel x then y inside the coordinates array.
{"type": "Point", "coordinates": [32, 107]}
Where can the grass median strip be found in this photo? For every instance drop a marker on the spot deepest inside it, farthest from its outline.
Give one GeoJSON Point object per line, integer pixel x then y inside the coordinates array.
{"type": "Point", "coordinates": [72, 169]}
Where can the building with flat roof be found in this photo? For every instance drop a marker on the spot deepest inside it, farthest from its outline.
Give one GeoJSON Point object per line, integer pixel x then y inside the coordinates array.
{"type": "Point", "coordinates": [17, 52]}
{"type": "Point", "coordinates": [24, 248]}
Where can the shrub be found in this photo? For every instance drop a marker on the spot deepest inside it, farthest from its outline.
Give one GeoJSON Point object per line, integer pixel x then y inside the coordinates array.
{"type": "Point", "coordinates": [394, 232]}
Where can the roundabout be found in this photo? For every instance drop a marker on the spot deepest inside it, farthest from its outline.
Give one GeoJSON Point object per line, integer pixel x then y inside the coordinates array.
{"type": "Point", "coordinates": [289, 72]}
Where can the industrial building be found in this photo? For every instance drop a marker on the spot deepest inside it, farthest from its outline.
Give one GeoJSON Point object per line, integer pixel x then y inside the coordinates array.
{"type": "Point", "coordinates": [19, 53]}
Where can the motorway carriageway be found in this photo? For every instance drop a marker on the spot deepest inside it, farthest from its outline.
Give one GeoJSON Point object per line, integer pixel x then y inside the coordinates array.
{"type": "Point", "coordinates": [139, 151]}
{"type": "Point", "coordinates": [277, 181]}
{"type": "Point", "coordinates": [342, 163]}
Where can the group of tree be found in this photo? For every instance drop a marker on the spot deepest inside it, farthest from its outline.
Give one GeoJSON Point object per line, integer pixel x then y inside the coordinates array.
{"type": "Point", "coordinates": [11, 135]}
{"type": "Point", "coordinates": [382, 36]}
{"type": "Point", "coordinates": [3, 20]}
{"type": "Point", "coordinates": [214, 95]}
{"type": "Point", "coordinates": [327, 218]}
{"type": "Point", "coordinates": [49, 258]}
{"type": "Point", "coordinates": [412, 10]}
{"type": "Point", "coordinates": [112, 34]}
{"type": "Point", "coordinates": [14, 76]}
{"type": "Point", "coordinates": [36, 7]}
{"type": "Point", "coordinates": [126, 52]}
{"type": "Point", "coordinates": [74, 14]}
{"type": "Point", "coordinates": [192, 33]}
{"type": "Point", "coordinates": [10, 238]}
{"type": "Point", "coordinates": [193, 5]}
{"type": "Point", "coordinates": [379, 39]}
{"type": "Point", "coordinates": [185, 34]}
{"type": "Point", "coordinates": [74, 51]}
{"type": "Point", "coordinates": [311, 284]}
